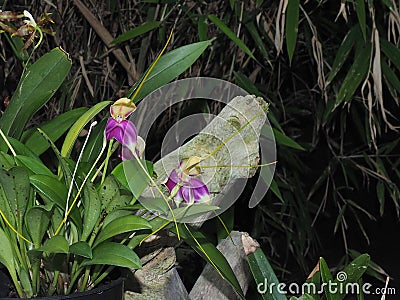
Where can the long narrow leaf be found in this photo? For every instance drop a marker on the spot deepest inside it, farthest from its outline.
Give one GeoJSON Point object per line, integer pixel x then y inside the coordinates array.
{"type": "Point", "coordinates": [79, 125]}
{"type": "Point", "coordinates": [229, 33]}
{"type": "Point", "coordinates": [292, 26]}
{"type": "Point", "coordinates": [38, 84]}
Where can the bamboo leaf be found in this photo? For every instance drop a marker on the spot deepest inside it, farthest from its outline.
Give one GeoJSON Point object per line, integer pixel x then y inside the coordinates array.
{"type": "Point", "coordinates": [360, 9]}
{"type": "Point", "coordinates": [229, 33]}
{"type": "Point", "coordinates": [343, 52]}
{"type": "Point", "coordinates": [357, 73]}
{"type": "Point", "coordinates": [134, 32]}
{"type": "Point", "coordinates": [292, 26]}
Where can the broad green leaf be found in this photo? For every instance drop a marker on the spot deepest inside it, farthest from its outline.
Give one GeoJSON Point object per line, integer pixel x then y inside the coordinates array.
{"type": "Point", "coordinates": [229, 33]}
{"type": "Point", "coordinates": [343, 52]}
{"type": "Point", "coordinates": [114, 254]}
{"type": "Point", "coordinates": [264, 276]}
{"type": "Point", "coordinates": [35, 166]}
{"type": "Point", "coordinates": [121, 225]}
{"type": "Point", "coordinates": [354, 270]}
{"type": "Point", "coordinates": [197, 240]}
{"type": "Point", "coordinates": [132, 176]}
{"type": "Point", "coordinates": [6, 161]}
{"type": "Point", "coordinates": [26, 281]}
{"type": "Point", "coordinates": [118, 213]}
{"type": "Point", "coordinates": [54, 130]}
{"type": "Point", "coordinates": [37, 221]}
{"type": "Point", "coordinates": [54, 191]}
{"type": "Point", "coordinates": [108, 191]}
{"type": "Point", "coordinates": [37, 85]}
{"type": "Point", "coordinates": [327, 278]}
{"type": "Point", "coordinates": [82, 249]}
{"type": "Point", "coordinates": [91, 212]}
{"type": "Point", "coordinates": [292, 26]}
{"type": "Point", "coordinates": [76, 129]}
{"type": "Point", "coordinates": [20, 148]}
{"type": "Point", "coordinates": [6, 254]}
{"type": "Point", "coordinates": [357, 73]}
{"type": "Point", "coordinates": [191, 212]}
{"type": "Point", "coordinates": [56, 244]}
{"type": "Point", "coordinates": [360, 9]}
{"type": "Point", "coordinates": [170, 66]}
{"type": "Point", "coordinates": [134, 32]}
{"type": "Point", "coordinates": [14, 194]}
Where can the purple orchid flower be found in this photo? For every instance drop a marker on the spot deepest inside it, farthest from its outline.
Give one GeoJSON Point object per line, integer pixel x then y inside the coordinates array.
{"type": "Point", "coordinates": [191, 189]}
{"type": "Point", "coordinates": [123, 130]}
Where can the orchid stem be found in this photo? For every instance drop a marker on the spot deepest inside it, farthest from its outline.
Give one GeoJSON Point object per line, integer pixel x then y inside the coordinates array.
{"type": "Point", "coordinates": [109, 152]}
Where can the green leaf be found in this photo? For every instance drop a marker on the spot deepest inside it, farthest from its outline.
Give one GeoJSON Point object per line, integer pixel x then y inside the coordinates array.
{"type": "Point", "coordinates": [132, 176]}
{"type": "Point", "coordinates": [37, 221]}
{"type": "Point", "coordinates": [202, 28]}
{"type": "Point", "coordinates": [56, 244]}
{"type": "Point", "coordinates": [54, 130]}
{"type": "Point", "coordinates": [275, 188]}
{"type": "Point", "coordinates": [54, 191]}
{"type": "Point", "coordinates": [7, 255]}
{"type": "Point", "coordinates": [391, 78]}
{"type": "Point", "coordinates": [82, 249]}
{"type": "Point", "coordinates": [229, 33]}
{"type": "Point", "coordinates": [22, 149]}
{"type": "Point", "coordinates": [35, 166]}
{"type": "Point", "coordinates": [264, 276]}
{"type": "Point", "coordinates": [37, 85]}
{"type": "Point", "coordinates": [343, 52]}
{"type": "Point", "coordinates": [284, 140]}
{"type": "Point", "coordinates": [360, 9]}
{"type": "Point", "coordinates": [245, 83]}
{"type": "Point", "coordinates": [354, 270]}
{"type": "Point", "coordinates": [170, 66]}
{"type": "Point", "coordinates": [114, 254]}
{"type": "Point", "coordinates": [108, 191]}
{"type": "Point", "coordinates": [357, 73]}
{"type": "Point", "coordinates": [76, 129]}
{"type": "Point", "coordinates": [391, 51]}
{"type": "Point", "coordinates": [197, 240]}
{"type": "Point", "coordinates": [251, 27]}
{"type": "Point", "coordinates": [95, 143]}
{"type": "Point", "coordinates": [292, 26]}
{"type": "Point", "coordinates": [91, 212]}
{"type": "Point", "coordinates": [134, 32]}
{"type": "Point", "coordinates": [327, 279]}
{"type": "Point", "coordinates": [6, 161]}
{"type": "Point", "coordinates": [14, 194]}
{"type": "Point", "coordinates": [121, 225]}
